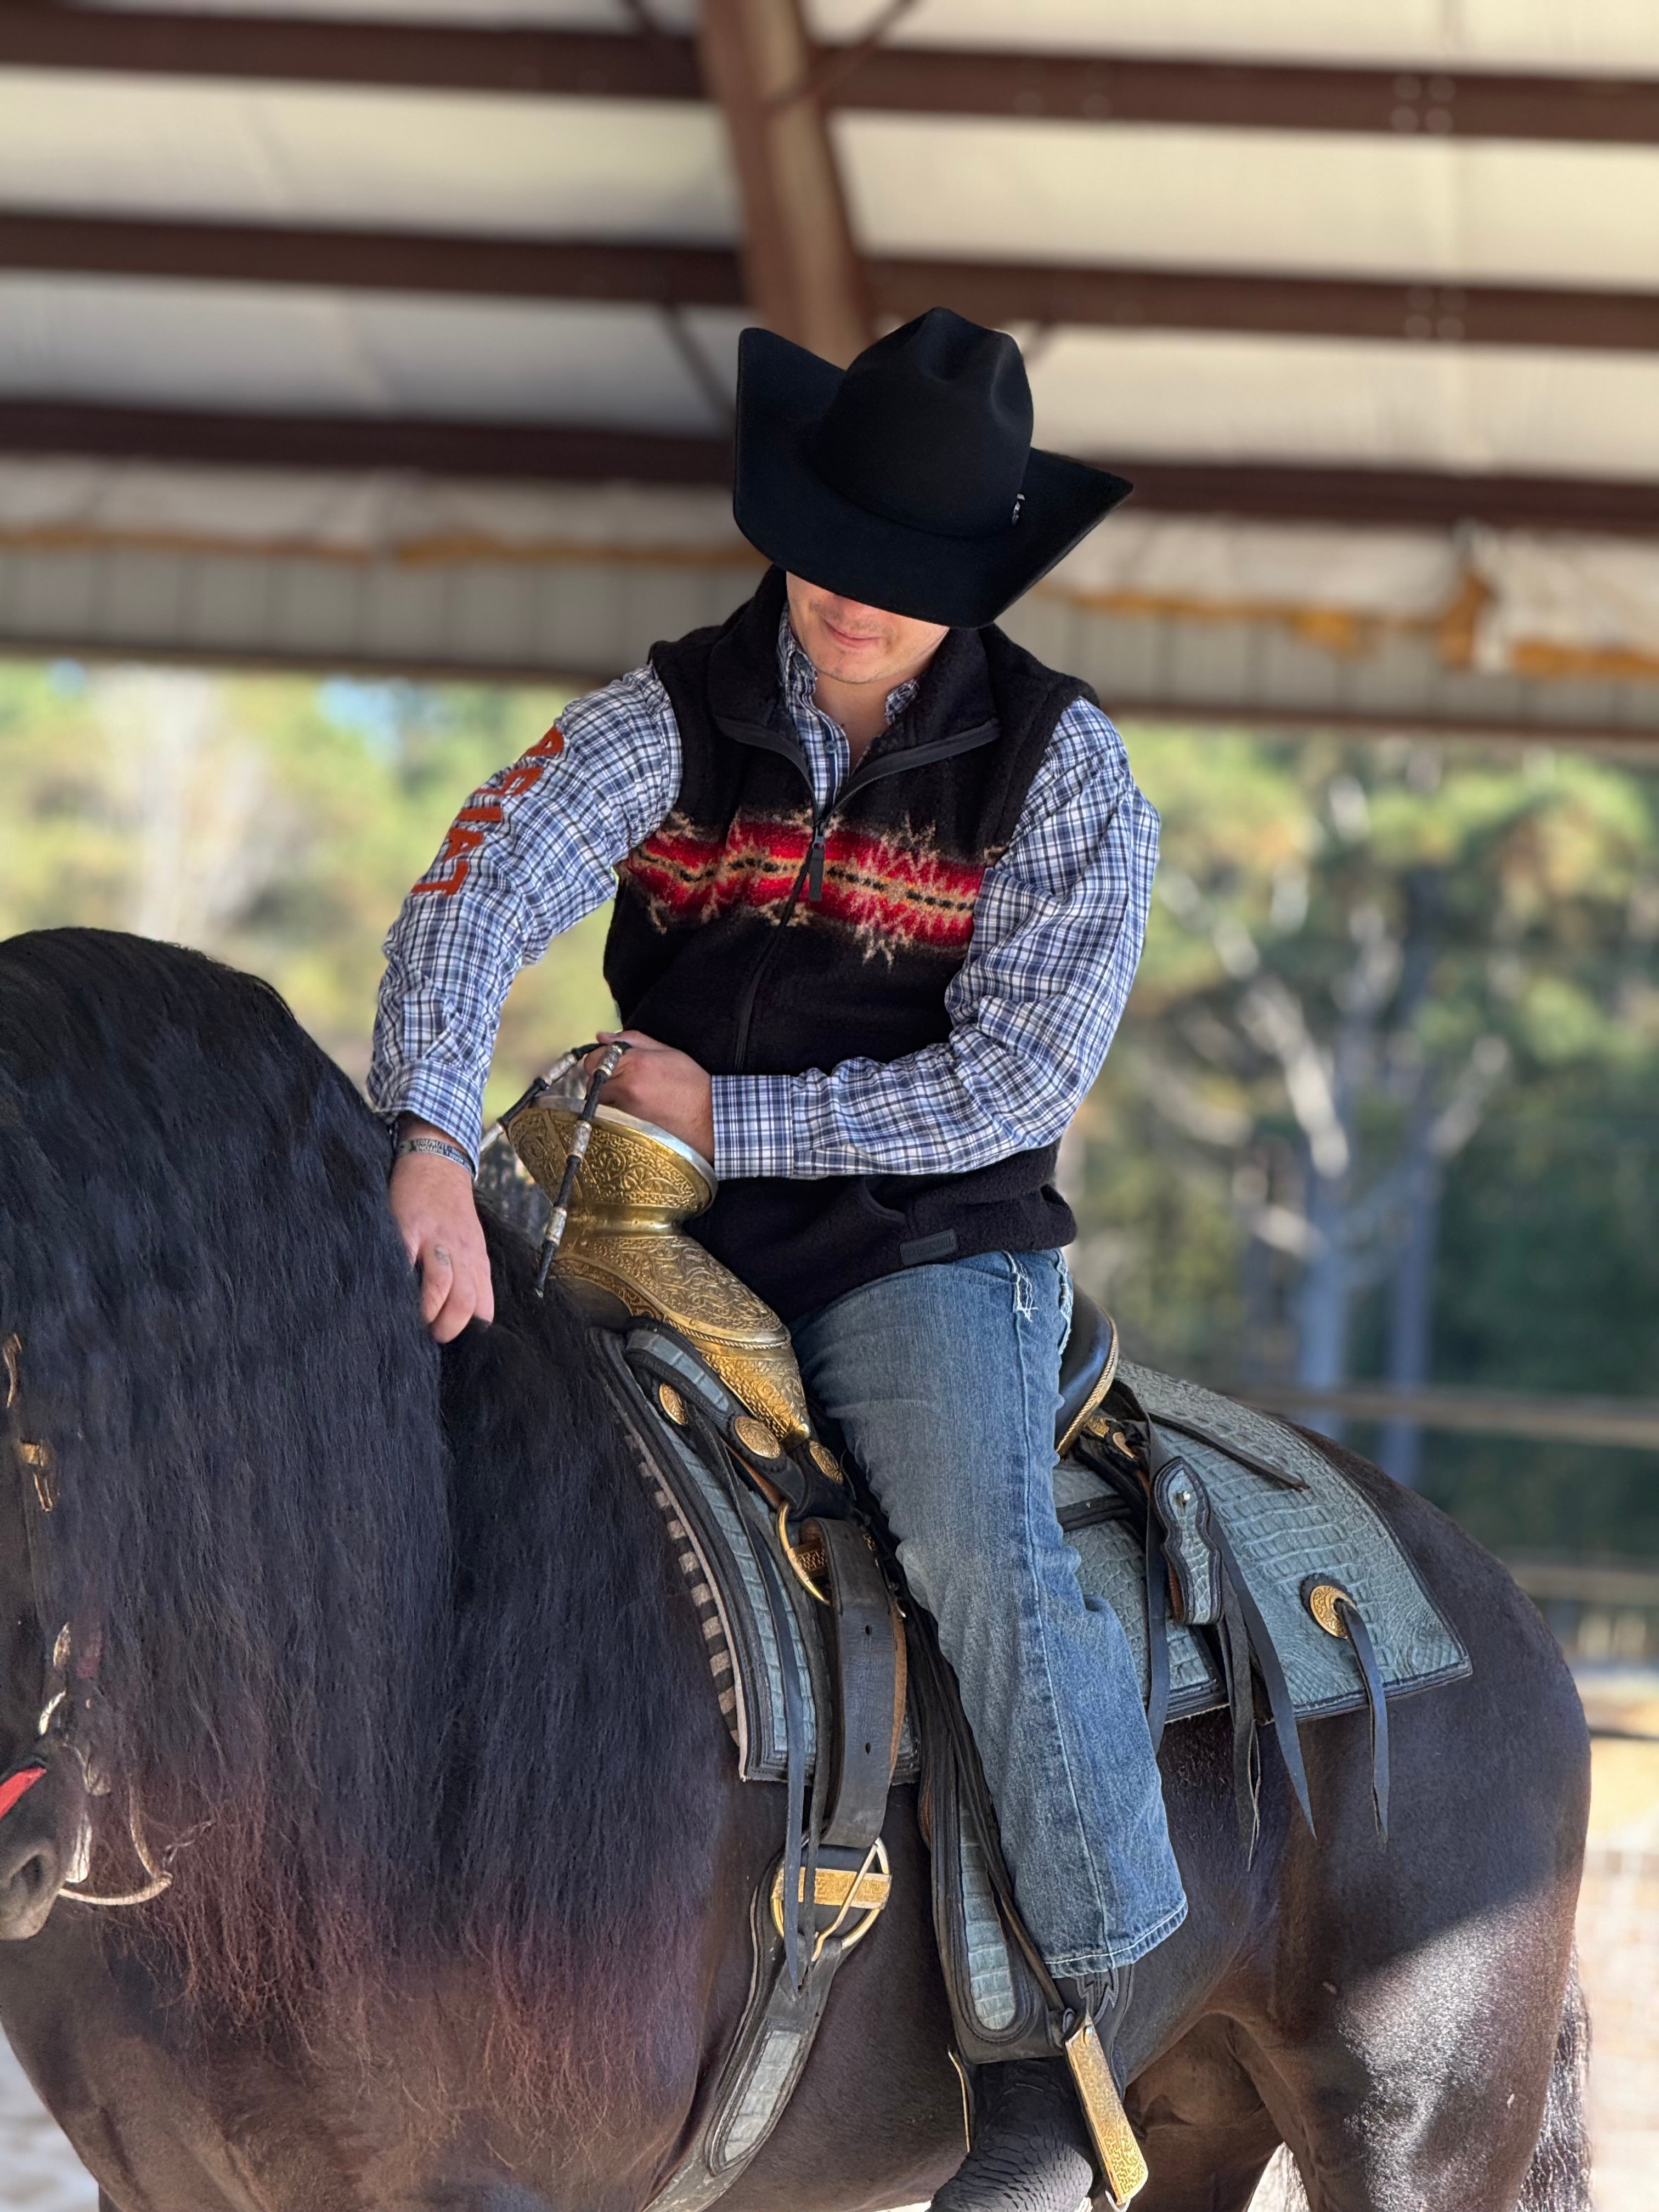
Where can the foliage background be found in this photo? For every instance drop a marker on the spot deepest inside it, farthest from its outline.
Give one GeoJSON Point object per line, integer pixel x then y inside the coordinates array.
{"type": "Point", "coordinates": [1383, 1104]}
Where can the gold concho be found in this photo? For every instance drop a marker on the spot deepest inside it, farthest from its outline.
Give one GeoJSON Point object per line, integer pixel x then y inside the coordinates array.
{"type": "Point", "coordinates": [1325, 1601]}
{"type": "Point", "coordinates": [637, 1188]}
{"type": "Point", "coordinates": [756, 1436]}
{"type": "Point", "coordinates": [825, 1461]}
{"type": "Point", "coordinates": [673, 1404]}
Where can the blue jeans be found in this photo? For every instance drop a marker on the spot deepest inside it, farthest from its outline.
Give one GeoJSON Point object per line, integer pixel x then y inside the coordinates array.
{"type": "Point", "coordinates": [944, 1381]}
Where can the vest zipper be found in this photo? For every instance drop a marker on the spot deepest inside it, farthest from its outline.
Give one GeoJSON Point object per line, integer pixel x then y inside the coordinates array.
{"type": "Point", "coordinates": [811, 876]}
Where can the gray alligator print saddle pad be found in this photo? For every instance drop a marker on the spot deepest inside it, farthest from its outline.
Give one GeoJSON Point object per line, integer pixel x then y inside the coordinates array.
{"type": "Point", "coordinates": [1280, 1536]}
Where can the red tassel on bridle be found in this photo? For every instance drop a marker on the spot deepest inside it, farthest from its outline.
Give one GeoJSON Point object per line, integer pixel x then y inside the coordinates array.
{"type": "Point", "coordinates": [17, 1786]}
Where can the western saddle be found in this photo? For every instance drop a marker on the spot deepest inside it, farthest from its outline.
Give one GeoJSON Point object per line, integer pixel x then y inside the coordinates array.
{"type": "Point", "coordinates": [1245, 1566]}
{"type": "Point", "coordinates": [697, 1359]}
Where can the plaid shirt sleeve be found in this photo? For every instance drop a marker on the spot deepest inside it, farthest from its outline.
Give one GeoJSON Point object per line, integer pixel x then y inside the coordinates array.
{"type": "Point", "coordinates": [531, 852]}
{"type": "Point", "coordinates": [1057, 934]}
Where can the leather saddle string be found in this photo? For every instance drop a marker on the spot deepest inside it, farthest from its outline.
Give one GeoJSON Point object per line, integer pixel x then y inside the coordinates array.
{"type": "Point", "coordinates": [1234, 1642]}
{"type": "Point", "coordinates": [1158, 1630]}
{"type": "Point", "coordinates": [1280, 1704]}
{"type": "Point", "coordinates": [1376, 1699]}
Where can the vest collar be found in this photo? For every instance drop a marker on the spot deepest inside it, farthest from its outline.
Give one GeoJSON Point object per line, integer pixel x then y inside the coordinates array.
{"type": "Point", "coordinates": [952, 711]}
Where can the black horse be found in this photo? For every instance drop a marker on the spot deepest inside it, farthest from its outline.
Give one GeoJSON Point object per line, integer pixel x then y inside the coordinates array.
{"type": "Point", "coordinates": [381, 1654]}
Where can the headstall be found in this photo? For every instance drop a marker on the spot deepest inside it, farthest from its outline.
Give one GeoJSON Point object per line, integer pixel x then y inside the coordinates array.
{"type": "Point", "coordinates": [71, 1686]}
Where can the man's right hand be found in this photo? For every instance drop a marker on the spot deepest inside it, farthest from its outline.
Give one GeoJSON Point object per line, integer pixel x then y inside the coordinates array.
{"type": "Point", "coordinates": [433, 1206]}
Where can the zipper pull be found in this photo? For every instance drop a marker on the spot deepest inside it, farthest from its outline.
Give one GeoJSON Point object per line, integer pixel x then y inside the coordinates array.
{"type": "Point", "coordinates": [815, 866]}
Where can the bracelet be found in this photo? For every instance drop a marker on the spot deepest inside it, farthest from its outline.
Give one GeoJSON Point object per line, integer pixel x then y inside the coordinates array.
{"type": "Point", "coordinates": [440, 1147]}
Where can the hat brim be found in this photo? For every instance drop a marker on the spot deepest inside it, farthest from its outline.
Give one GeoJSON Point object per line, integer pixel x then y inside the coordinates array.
{"type": "Point", "coordinates": [786, 510]}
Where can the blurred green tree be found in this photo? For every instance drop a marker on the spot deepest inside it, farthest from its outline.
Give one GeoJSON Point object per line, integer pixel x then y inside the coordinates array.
{"type": "Point", "coordinates": [1368, 962]}
{"type": "Point", "coordinates": [273, 822]}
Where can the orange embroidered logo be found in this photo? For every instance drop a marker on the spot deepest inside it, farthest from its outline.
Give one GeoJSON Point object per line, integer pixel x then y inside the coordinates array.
{"type": "Point", "coordinates": [482, 812]}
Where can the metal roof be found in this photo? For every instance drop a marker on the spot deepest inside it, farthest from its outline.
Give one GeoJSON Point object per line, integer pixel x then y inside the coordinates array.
{"type": "Point", "coordinates": [1344, 262]}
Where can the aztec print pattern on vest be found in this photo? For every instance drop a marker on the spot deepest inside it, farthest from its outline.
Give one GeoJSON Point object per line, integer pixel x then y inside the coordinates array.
{"type": "Point", "coordinates": [892, 889]}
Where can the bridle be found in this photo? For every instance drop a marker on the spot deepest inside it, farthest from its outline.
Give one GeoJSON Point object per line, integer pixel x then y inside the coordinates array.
{"type": "Point", "coordinates": [71, 1698]}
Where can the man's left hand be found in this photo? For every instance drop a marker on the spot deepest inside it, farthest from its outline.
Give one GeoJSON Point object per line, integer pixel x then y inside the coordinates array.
{"type": "Point", "coordinates": [659, 1084]}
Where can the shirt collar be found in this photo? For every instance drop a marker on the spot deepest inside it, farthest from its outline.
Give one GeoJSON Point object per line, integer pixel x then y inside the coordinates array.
{"type": "Point", "coordinates": [798, 677]}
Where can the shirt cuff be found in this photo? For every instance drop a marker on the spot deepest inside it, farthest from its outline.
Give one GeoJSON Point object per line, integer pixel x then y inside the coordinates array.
{"type": "Point", "coordinates": [450, 1104]}
{"type": "Point", "coordinates": [754, 1124]}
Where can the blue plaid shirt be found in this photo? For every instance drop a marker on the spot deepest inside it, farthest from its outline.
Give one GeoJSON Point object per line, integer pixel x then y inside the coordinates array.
{"type": "Point", "coordinates": [1057, 932]}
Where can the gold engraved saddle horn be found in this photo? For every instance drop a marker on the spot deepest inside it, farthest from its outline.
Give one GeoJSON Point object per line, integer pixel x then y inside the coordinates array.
{"type": "Point", "coordinates": [637, 1188]}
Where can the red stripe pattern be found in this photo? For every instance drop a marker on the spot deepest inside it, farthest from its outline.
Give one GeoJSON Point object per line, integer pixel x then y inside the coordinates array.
{"type": "Point", "coordinates": [892, 892]}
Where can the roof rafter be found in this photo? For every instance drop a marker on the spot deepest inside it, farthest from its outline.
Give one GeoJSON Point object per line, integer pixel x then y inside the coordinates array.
{"type": "Point", "coordinates": [996, 293]}
{"type": "Point", "coordinates": [914, 80]}
{"type": "Point", "coordinates": [803, 274]}
{"type": "Point", "coordinates": [572, 453]}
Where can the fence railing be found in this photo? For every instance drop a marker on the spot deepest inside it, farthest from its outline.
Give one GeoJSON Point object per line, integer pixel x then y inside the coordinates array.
{"type": "Point", "coordinates": [1602, 1614]}
{"type": "Point", "coordinates": [1631, 1422]}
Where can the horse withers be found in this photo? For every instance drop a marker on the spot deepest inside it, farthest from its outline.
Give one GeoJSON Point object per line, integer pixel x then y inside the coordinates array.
{"type": "Point", "coordinates": [382, 1656]}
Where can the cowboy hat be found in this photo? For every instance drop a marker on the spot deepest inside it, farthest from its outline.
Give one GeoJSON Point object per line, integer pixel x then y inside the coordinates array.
{"type": "Point", "coordinates": [909, 481]}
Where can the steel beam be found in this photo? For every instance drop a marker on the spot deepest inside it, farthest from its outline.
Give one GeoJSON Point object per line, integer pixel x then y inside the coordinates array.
{"type": "Point", "coordinates": [998, 293]}
{"type": "Point", "coordinates": [805, 280]}
{"type": "Point", "coordinates": [907, 79]}
{"type": "Point", "coordinates": [569, 452]}
{"type": "Point", "coordinates": [1129, 298]}
{"type": "Point", "coordinates": [395, 260]}
{"type": "Point", "coordinates": [351, 444]}
{"type": "Point", "coordinates": [435, 57]}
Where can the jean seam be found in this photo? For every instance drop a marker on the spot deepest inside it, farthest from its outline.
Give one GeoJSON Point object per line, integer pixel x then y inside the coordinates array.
{"type": "Point", "coordinates": [1101, 1914]}
{"type": "Point", "coordinates": [1114, 1955]}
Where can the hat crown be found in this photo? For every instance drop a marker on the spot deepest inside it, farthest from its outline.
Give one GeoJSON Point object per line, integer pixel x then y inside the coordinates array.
{"type": "Point", "coordinates": [931, 427]}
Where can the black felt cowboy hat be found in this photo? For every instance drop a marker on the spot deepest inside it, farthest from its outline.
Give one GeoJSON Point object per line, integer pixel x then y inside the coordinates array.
{"type": "Point", "coordinates": [908, 481]}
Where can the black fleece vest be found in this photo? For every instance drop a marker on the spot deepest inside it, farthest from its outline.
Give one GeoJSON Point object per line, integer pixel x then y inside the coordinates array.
{"type": "Point", "coordinates": [765, 939]}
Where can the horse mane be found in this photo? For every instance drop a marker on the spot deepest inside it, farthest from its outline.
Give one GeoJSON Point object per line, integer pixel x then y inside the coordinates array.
{"type": "Point", "coordinates": [389, 1659]}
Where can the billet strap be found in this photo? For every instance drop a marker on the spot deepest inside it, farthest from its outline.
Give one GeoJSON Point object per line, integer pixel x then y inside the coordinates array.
{"type": "Point", "coordinates": [795, 1786]}
{"type": "Point", "coordinates": [868, 1713]}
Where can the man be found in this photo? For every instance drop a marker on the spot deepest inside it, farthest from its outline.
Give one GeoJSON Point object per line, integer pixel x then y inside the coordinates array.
{"type": "Point", "coordinates": [882, 882]}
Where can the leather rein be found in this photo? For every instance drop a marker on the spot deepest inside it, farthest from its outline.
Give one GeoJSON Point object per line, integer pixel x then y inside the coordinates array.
{"type": "Point", "coordinates": [71, 1693]}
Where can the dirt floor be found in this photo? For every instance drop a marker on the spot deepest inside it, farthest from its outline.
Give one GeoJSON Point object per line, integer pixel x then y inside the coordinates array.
{"type": "Point", "coordinates": [1619, 1950]}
